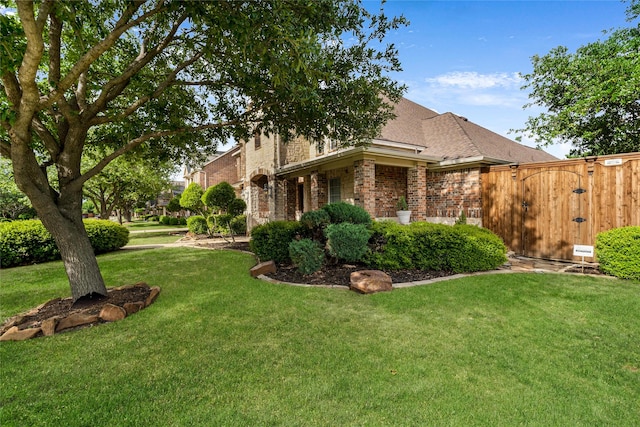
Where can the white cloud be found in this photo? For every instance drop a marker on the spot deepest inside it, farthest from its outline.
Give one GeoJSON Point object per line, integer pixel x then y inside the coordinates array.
{"type": "Point", "coordinates": [474, 80]}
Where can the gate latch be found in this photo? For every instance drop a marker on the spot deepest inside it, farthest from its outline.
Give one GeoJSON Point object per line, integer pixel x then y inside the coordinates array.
{"type": "Point", "coordinates": [579, 219]}
{"type": "Point", "coordinates": [525, 205]}
{"type": "Point", "coordinates": [579, 190]}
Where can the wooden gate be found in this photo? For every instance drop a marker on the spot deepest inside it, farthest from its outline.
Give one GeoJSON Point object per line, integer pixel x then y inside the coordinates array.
{"type": "Point", "coordinates": [554, 206]}
{"type": "Point", "coordinates": [543, 209]}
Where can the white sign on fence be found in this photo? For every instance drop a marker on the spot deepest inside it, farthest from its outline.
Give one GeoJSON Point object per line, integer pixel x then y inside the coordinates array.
{"type": "Point", "coordinates": [583, 250]}
{"type": "Point", "coordinates": [613, 162]}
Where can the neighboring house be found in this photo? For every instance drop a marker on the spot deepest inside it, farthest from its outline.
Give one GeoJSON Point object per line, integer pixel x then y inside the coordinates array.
{"type": "Point", "coordinates": [433, 160]}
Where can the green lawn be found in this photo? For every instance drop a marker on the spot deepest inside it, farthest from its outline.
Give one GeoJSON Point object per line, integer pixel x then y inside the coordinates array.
{"type": "Point", "coordinates": [221, 348]}
{"type": "Point", "coordinates": [145, 225]}
{"type": "Point", "coordinates": [153, 237]}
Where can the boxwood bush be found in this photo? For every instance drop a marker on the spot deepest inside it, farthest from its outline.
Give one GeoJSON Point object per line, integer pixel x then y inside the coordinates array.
{"type": "Point", "coordinates": [28, 242]}
{"type": "Point", "coordinates": [239, 225]}
{"type": "Point", "coordinates": [427, 246]}
{"type": "Point", "coordinates": [270, 241]}
{"type": "Point", "coordinates": [105, 235]}
{"type": "Point", "coordinates": [197, 224]}
{"type": "Point", "coordinates": [345, 212]}
{"type": "Point", "coordinates": [618, 252]}
{"type": "Point", "coordinates": [347, 241]}
{"type": "Point", "coordinates": [307, 255]}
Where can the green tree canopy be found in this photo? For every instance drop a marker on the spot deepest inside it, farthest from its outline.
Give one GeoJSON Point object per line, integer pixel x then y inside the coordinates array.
{"type": "Point", "coordinates": [191, 198]}
{"type": "Point", "coordinates": [170, 78]}
{"type": "Point", "coordinates": [592, 96]}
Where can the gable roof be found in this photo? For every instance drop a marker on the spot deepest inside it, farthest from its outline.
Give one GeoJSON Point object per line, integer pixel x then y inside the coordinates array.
{"type": "Point", "coordinates": [451, 137]}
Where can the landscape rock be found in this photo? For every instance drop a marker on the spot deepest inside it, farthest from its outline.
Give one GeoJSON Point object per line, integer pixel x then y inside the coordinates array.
{"type": "Point", "coordinates": [49, 326]}
{"type": "Point", "coordinates": [155, 291]}
{"type": "Point", "coordinates": [15, 334]}
{"type": "Point", "coordinates": [370, 281]}
{"type": "Point", "coordinates": [133, 307]}
{"type": "Point", "coordinates": [112, 313]}
{"type": "Point", "coordinates": [76, 319]}
{"type": "Point", "coordinates": [263, 268]}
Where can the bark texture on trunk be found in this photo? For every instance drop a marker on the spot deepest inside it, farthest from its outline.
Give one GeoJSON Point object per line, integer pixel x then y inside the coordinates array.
{"type": "Point", "coordinates": [79, 259]}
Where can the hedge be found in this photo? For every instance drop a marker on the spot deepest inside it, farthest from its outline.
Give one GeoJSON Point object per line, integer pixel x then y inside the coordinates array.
{"type": "Point", "coordinates": [270, 241]}
{"type": "Point", "coordinates": [438, 247]}
{"type": "Point", "coordinates": [28, 242]}
{"type": "Point", "coordinates": [618, 252]}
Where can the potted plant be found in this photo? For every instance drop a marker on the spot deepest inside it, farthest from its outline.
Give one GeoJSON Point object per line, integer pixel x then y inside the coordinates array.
{"type": "Point", "coordinates": [403, 213]}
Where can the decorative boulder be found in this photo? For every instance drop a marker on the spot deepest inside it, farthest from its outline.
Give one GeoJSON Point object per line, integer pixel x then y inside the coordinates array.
{"type": "Point", "coordinates": [112, 313]}
{"type": "Point", "coordinates": [370, 281]}
{"type": "Point", "coordinates": [263, 268]}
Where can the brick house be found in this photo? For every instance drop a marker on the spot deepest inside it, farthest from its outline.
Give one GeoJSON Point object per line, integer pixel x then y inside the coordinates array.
{"type": "Point", "coordinates": [433, 160]}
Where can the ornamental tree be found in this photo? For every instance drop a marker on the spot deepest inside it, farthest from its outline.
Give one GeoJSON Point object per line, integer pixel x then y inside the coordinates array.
{"type": "Point", "coordinates": [168, 79]}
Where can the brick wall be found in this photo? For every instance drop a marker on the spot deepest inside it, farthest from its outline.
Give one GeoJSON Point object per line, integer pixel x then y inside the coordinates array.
{"type": "Point", "coordinates": [223, 168]}
{"type": "Point", "coordinates": [417, 192]}
{"type": "Point", "coordinates": [364, 185]}
{"type": "Point", "coordinates": [449, 192]}
{"type": "Point", "coordinates": [390, 184]}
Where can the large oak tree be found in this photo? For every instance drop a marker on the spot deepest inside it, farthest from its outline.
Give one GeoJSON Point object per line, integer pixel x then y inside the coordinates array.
{"type": "Point", "coordinates": [592, 96]}
{"type": "Point", "coordinates": [171, 78]}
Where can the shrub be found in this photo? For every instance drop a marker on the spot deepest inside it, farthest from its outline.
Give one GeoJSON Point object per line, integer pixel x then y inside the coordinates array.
{"type": "Point", "coordinates": [239, 225]}
{"type": "Point", "coordinates": [347, 241]}
{"type": "Point", "coordinates": [164, 220]}
{"type": "Point", "coordinates": [219, 223]}
{"type": "Point", "coordinates": [197, 224]}
{"type": "Point", "coordinates": [182, 221]}
{"type": "Point", "coordinates": [105, 235]}
{"type": "Point", "coordinates": [270, 241]}
{"type": "Point", "coordinates": [26, 242]}
{"type": "Point", "coordinates": [315, 222]}
{"type": "Point", "coordinates": [618, 252]}
{"type": "Point", "coordinates": [236, 207]}
{"type": "Point", "coordinates": [345, 212]}
{"type": "Point", "coordinates": [389, 246]}
{"type": "Point", "coordinates": [426, 246]}
{"type": "Point", "coordinates": [173, 221]}
{"type": "Point", "coordinates": [307, 255]}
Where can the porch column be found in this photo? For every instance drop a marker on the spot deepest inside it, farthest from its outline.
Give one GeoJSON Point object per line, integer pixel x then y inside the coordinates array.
{"type": "Point", "coordinates": [364, 185]}
{"type": "Point", "coordinates": [290, 191]}
{"type": "Point", "coordinates": [417, 192]}
{"type": "Point", "coordinates": [272, 193]}
{"type": "Point", "coordinates": [319, 190]}
{"type": "Point", "coordinates": [280, 199]}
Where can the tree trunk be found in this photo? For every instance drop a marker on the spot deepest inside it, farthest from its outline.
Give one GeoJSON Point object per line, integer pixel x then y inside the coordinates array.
{"type": "Point", "coordinates": [78, 257]}
{"type": "Point", "coordinates": [61, 214]}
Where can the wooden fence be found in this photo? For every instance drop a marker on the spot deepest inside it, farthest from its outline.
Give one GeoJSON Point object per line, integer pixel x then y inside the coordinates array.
{"type": "Point", "coordinates": [542, 210]}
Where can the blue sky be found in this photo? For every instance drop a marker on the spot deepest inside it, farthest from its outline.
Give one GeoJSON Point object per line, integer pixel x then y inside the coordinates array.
{"type": "Point", "coordinates": [465, 56]}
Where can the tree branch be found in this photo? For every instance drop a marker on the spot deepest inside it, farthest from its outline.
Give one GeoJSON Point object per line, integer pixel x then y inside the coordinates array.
{"type": "Point", "coordinates": [141, 139]}
{"type": "Point", "coordinates": [114, 87]}
{"type": "Point", "coordinates": [123, 24]}
{"type": "Point", "coordinates": [141, 101]}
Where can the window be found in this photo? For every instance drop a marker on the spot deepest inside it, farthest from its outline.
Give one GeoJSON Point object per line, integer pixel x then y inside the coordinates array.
{"type": "Point", "coordinates": [256, 140]}
{"type": "Point", "coordinates": [334, 190]}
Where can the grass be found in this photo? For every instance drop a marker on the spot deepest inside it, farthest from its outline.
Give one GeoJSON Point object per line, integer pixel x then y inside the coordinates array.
{"type": "Point", "coordinates": [221, 348]}
{"type": "Point", "coordinates": [139, 224]}
{"type": "Point", "coordinates": [153, 237]}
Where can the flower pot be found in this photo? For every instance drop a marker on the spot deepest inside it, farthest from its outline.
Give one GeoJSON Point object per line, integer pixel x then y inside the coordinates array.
{"type": "Point", "coordinates": [403, 216]}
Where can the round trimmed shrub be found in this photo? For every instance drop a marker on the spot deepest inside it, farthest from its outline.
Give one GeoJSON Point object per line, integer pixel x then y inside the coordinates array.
{"type": "Point", "coordinates": [618, 252]}
{"type": "Point", "coordinates": [105, 235]}
{"type": "Point", "coordinates": [270, 241]}
{"type": "Point", "coordinates": [345, 212]}
{"type": "Point", "coordinates": [239, 225]}
{"type": "Point", "coordinates": [197, 224]}
{"type": "Point", "coordinates": [347, 241]}
{"type": "Point", "coordinates": [28, 242]}
{"type": "Point", "coordinates": [307, 255]}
